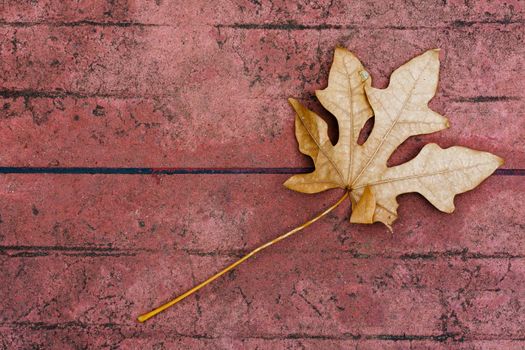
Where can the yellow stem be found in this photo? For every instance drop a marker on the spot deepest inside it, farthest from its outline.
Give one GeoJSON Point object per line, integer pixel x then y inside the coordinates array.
{"type": "Point", "coordinates": [146, 316]}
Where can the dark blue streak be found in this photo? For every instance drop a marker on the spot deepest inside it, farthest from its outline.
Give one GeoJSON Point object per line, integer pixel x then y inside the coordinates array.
{"type": "Point", "coordinates": [181, 171]}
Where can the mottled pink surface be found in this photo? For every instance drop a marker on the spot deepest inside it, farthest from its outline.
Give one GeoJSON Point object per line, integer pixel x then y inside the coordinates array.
{"type": "Point", "coordinates": [180, 84]}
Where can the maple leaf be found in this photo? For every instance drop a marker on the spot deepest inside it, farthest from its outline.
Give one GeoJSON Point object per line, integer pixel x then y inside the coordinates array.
{"type": "Point", "coordinates": [400, 111]}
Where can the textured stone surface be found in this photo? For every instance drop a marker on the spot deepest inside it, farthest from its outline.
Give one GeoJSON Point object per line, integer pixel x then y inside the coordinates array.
{"type": "Point", "coordinates": [204, 84]}
{"type": "Point", "coordinates": [136, 95]}
{"type": "Point", "coordinates": [230, 213]}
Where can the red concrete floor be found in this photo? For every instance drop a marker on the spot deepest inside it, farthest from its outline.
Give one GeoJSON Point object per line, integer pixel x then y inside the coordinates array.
{"type": "Point", "coordinates": [174, 84]}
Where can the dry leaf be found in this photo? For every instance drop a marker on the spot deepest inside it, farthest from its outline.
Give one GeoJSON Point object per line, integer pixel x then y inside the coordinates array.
{"type": "Point", "coordinates": [400, 111]}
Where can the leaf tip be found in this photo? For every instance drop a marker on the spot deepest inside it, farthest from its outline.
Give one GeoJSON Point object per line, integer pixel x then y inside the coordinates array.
{"type": "Point", "coordinates": [342, 50]}
{"type": "Point", "coordinates": [433, 53]}
{"type": "Point", "coordinates": [450, 210]}
{"type": "Point", "coordinates": [291, 183]}
{"type": "Point", "coordinates": [497, 160]}
{"type": "Point", "coordinates": [364, 209]}
{"type": "Point", "coordinates": [296, 105]}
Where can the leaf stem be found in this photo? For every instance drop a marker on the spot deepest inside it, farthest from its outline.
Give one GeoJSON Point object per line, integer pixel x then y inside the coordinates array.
{"type": "Point", "coordinates": [146, 316]}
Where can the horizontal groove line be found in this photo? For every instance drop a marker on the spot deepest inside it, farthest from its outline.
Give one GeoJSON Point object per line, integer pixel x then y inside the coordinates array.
{"type": "Point", "coordinates": [288, 26]}
{"type": "Point", "coordinates": [149, 171]}
{"type": "Point", "coordinates": [443, 337]}
{"type": "Point", "coordinates": [31, 93]}
{"type": "Point", "coordinates": [183, 171]}
{"type": "Point", "coordinates": [35, 251]}
{"type": "Point", "coordinates": [481, 99]}
{"type": "Point", "coordinates": [292, 25]}
{"type": "Point", "coordinates": [291, 336]}
{"type": "Point", "coordinates": [123, 24]}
